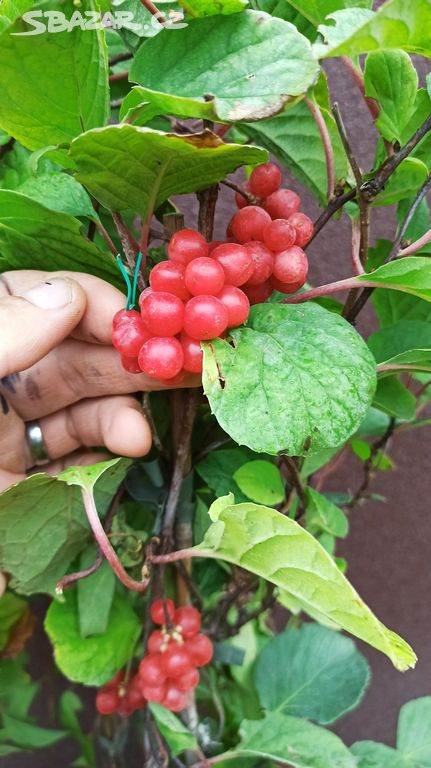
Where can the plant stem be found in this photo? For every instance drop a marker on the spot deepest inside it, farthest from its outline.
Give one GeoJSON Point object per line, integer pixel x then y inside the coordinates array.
{"type": "Point", "coordinates": [295, 480]}
{"type": "Point", "coordinates": [118, 76]}
{"type": "Point", "coordinates": [120, 57]}
{"type": "Point", "coordinates": [130, 246]}
{"type": "Point", "coordinates": [251, 200]}
{"type": "Point", "coordinates": [359, 80]}
{"type": "Point", "coordinates": [327, 145]}
{"type": "Point", "coordinates": [324, 290]}
{"type": "Point", "coordinates": [358, 268]}
{"type": "Point", "coordinates": [207, 205]}
{"type": "Point", "coordinates": [153, 10]}
{"type": "Point", "coordinates": [334, 206]}
{"type": "Point", "coordinates": [105, 545]}
{"type": "Point", "coordinates": [368, 464]}
{"type": "Point", "coordinates": [417, 245]}
{"type": "Point", "coordinates": [107, 238]}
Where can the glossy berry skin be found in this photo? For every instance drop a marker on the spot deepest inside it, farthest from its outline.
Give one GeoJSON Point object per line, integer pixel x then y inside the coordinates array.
{"type": "Point", "coordinates": [188, 681]}
{"type": "Point", "coordinates": [304, 228]}
{"type": "Point", "coordinates": [236, 261]}
{"type": "Point", "coordinates": [204, 277]}
{"type": "Point", "coordinates": [249, 223]}
{"type": "Point", "coordinates": [155, 641]}
{"type": "Point", "coordinates": [279, 235]}
{"type": "Point", "coordinates": [257, 294]}
{"type": "Point", "coordinates": [282, 204]}
{"type": "Point", "coordinates": [189, 619]}
{"type": "Point", "coordinates": [150, 670]}
{"type": "Point", "coordinates": [162, 314]}
{"type": "Point", "coordinates": [160, 609]}
{"type": "Point", "coordinates": [186, 245]}
{"type": "Point", "coordinates": [128, 333]}
{"type": "Point", "coordinates": [175, 661]}
{"type": "Point", "coordinates": [286, 288]}
{"type": "Point", "coordinates": [262, 262]}
{"type": "Point", "coordinates": [291, 265]}
{"type": "Point", "coordinates": [130, 364]}
{"type": "Point", "coordinates": [237, 305]}
{"type": "Point", "coordinates": [200, 649]}
{"type": "Point", "coordinates": [205, 317]}
{"type": "Point", "coordinates": [154, 693]}
{"type": "Point", "coordinates": [175, 700]}
{"type": "Point", "coordinates": [193, 355]}
{"type": "Point", "coordinates": [169, 276]}
{"type": "Point", "coordinates": [264, 180]}
{"type": "Point", "coordinates": [106, 702]}
{"type": "Point", "coordinates": [161, 358]}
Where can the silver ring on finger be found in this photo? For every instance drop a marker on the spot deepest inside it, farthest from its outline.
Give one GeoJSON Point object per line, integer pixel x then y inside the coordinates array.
{"type": "Point", "coordinates": [36, 444]}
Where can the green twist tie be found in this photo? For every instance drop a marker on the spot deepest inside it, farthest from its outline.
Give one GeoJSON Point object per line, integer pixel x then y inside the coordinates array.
{"type": "Point", "coordinates": [131, 288]}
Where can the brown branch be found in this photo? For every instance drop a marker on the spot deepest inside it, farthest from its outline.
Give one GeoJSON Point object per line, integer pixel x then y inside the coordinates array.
{"type": "Point", "coordinates": [295, 480]}
{"type": "Point", "coordinates": [154, 10]}
{"type": "Point", "coordinates": [250, 199]}
{"type": "Point", "coordinates": [107, 238]}
{"type": "Point", "coordinates": [120, 57]}
{"type": "Point", "coordinates": [118, 76]}
{"type": "Point", "coordinates": [245, 616]}
{"type": "Point", "coordinates": [327, 145]}
{"type": "Point", "coordinates": [368, 464]}
{"type": "Point", "coordinates": [338, 202]}
{"type": "Point", "coordinates": [207, 205]}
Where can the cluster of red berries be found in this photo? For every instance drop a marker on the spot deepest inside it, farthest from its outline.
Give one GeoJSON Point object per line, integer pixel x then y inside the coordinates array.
{"type": "Point", "coordinates": [203, 289]}
{"type": "Point", "coordinates": [121, 696]}
{"type": "Point", "coordinates": [168, 671]}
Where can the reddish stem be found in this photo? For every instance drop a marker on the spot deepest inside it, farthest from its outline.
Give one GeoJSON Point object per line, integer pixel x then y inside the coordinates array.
{"type": "Point", "coordinates": [359, 80]}
{"type": "Point", "coordinates": [118, 76]}
{"type": "Point", "coordinates": [153, 10]}
{"type": "Point", "coordinates": [108, 240]}
{"type": "Point", "coordinates": [356, 247]}
{"type": "Point", "coordinates": [327, 146]}
{"type": "Point", "coordinates": [326, 290]}
{"type": "Point", "coordinates": [417, 245]}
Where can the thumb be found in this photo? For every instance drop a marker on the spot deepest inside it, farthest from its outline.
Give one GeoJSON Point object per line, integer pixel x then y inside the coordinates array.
{"type": "Point", "coordinates": [34, 323]}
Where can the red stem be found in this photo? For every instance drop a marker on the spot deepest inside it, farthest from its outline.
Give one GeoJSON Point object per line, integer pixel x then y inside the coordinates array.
{"type": "Point", "coordinates": [417, 245]}
{"type": "Point", "coordinates": [105, 545]}
{"type": "Point", "coordinates": [327, 146]}
{"type": "Point", "coordinates": [359, 80]}
{"type": "Point", "coordinates": [325, 290]}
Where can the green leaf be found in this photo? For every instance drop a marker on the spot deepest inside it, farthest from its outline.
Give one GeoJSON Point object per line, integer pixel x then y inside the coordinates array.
{"type": "Point", "coordinates": [43, 527]}
{"type": "Point", "coordinates": [311, 672]}
{"type": "Point", "coordinates": [393, 340]}
{"type": "Point", "coordinates": [17, 691]}
{"type": "Point", "coordinates": [34, 237]}
{"type": "Point", "coordinates": [374, 755]}
{"type": "Point", "coordinates": [411, 274]}
{"type": "Point", "coordinates": [317, 10]}
{"type": "Point", "coordinates": [177, 736]}
{"type": "Point", "coordinates": [95, 595]}
{"type": "Point", "coordinates": [392, 306]}
{"type": "Point", "coordinates": [323, 515]}
{"type": "Point", "coordinates": [397, 24]}
{"type": "Point", "coordinates": [283, 10]}
{"type": "Point", "coordinates": [413, 359]}
{"type": "Point", "coordinates": [91, 660]}
{"type": "Point", "coordinates": [70, 706]}
{"type": "Point", "coordinates": [122, 165]}
{"type": "Point", "coordinates": [261, 482]}
{"type": "Point", "coordinates": [252, 64]}
{"type": "Point", "coordinates": [28, 736]}
{"type": "Point", "coordinates": [218, 467]}
{"type": "Point", "coordinates": [12, 608]}
{"type": "Point", "coordinates": [294, 138]}
{"type": "Point", "coordinates": [404, 182]}
{"type": "Point", "coordinates": [211, 8]}
{"type": "Point", "coordinates": [293, 741]}
{"type": "Point", "coordinates": [59, 192]}
{"type": "Point", "coordinates": [142, 104]}
{"type": "Point", "coordinates": [86, 476]}
{"type": "Point", "coordinates": [309, 359]}
{"type": "Point", "coordinates": [392, 80]}
{"type": "Point", "coordinates": [414, 731]}
{"type": "Point", "coordinates": [394, 398]}
{"type": "Point", "coordinates": [11, 10]}
{"type": "Point", "coordinates": [67, 91]}
{"type": "Point", "coordinates": [273, 546]}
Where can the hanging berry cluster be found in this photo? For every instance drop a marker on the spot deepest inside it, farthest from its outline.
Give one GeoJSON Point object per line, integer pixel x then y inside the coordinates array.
{"type": "Point", "coordinates": [121, 696]}
{"type": "Point", "coordinates": [204, 289]}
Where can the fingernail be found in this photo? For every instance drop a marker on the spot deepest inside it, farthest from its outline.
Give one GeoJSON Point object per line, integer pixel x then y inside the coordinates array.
{"type": "Point", "coordinates": [52, 294]}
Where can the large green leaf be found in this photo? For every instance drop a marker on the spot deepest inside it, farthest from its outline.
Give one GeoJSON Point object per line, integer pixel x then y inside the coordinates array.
{"type": "Point", "coordinates": [393, 340]}
{"type": "Point", "coordinates": [251, 63]}
{"type": "Point", "coordinates": [11, 10]}
{"type": "Point", "coordinates": [397, 24]}
{"type": "Point", "coordinates": [34, 237]}
{"type": "Point", "coordinates": [295, 380]}
{"type": "Point", "coordinates": [54, 88]}
{"type": "Point", "coordinates": [385, 71]}
{"type": "Point", "coordinates": [283, 10]}
{"type": "Point", "coordinates": [43, 527]}
{"type": "Point", "coordinates": [273, 546]}
{"type": "Point", "coordinates": [394, 398]}
{"type": "Point", "coordinates": [411, 275]}
{"type": "Point", "coordinates": [91, 660]}
{"type": "Point", "coordinates": [95, 595]}
{"type": "Point", "coordinates": [142, 104]}
{"type": "Point", "coordinates": [370, 754]}
{"type": "Point", "coordinates": [218, 468]}
{"type": "Point", "coordinates": [414, 731]}
{"type": "Point", "coordinates": [292, 742]}
{"type": "Point", "coordinates": [211, 8]}
{"type": "Point", "coordinates": [413, 359]}
{"type": "Point", "coordinates": [122, 165]}
{"type": "Point", "coordinates": [392, 306]}
{"type": "Point", "coordinates": [311, 672]}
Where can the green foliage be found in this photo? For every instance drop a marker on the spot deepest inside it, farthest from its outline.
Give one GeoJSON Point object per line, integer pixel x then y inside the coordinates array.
{"type": "Point", "coordinates": [12, 608]}
{"type": "Point", "coordinates": [173, 731]}
{"type": "Point", "coordinates": [95, 596]}
{"type": "Point", "coordinates": [307, 357]}
{"type": "Point", "coordinates": [411, 274]}
{"type": "Point", "coordinates": [210, 8]}
{"type": "Point", "coordinates": [261, 482]}
{"type": "Point", "coordinates": [384, 72]}
{"type": "Point", "coordinates": [324, 516]}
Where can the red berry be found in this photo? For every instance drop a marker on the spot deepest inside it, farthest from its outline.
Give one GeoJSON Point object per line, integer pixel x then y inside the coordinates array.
{"type": "Point", "coordinates": [279, 234]}
{"type": "Point", "coordinates": [189, 619]}
{"type": "Point", "coordinates": [155, 641]}
{"type": "Point", "coordinates": [193, 355]}
{"type": "Point", "coordinates": [200, 649]}
{"type": "Point", "coordinates": [115, 682]}
{"type": "Point", "coordinates": [169, 276]}
{"type": "Point", "coordinates": [291, 265]}
{"type": "Point", "coordinates": [262, 262]}
{"type": "Point", "coordinates": [106, 702]}
{"type": "Point", "coordinates": [188, 681]}
{"type": "Point", "coordinates": [304, 228]}
{"type": "Point", "coordinates": [130, 364]}
{"type": "Point", "coordinates": [240, 200]}
{"type": "Point", "coordinates": [121, 316]}
{"type": "Point", "coordinates": [214, 244]}
{"type": "Point", "coordinates": [205, 317]}
{"type": "Point", "coordinates": [154, 693]}
{"type": "Point", "coordinates": [129, 333]}
{"type": "Point", "coordinates": [257, 294]}
{"type": "Point", "coordinates": [204, 277]}
{"type": "Point", "coordinates": [160, 609]}
{"type": "Point", "coordinates": [249, 223]}
{"type": "Point", "coordinates": [150, 670]}
{"type": "Point", "coordinates": [187, 245]}
{"type": "Point", "coordinates": [134, 697]}
{"type": "Point", "coordinates": [277, 285]}
{"type": "Point", "coordinates": [236, 303]}
{"type": "Point", "coordinates": [175, 700]}
{"type": "Point", "coordinates": [162, 314]}
{"type": "Point", "coordinates": [281, 204]}
{"type": "Point", "coordinates": [264, 180]}
{"type": "Point", "coordinates": [161, 358]}
{"type": "Point", "coordinates": [175, 661]}
{"type": "Point", "coordinates": [175, 381]}
{"type": "Point", "coordinates": [236, 261]}
{"type": "Point", "coordinates": [146, 292]}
